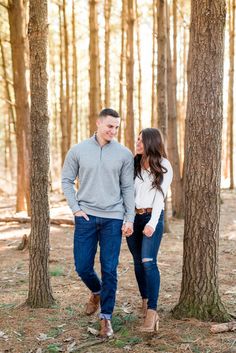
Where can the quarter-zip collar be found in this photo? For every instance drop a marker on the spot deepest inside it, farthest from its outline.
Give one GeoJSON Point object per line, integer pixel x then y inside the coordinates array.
{"type": "Point", "coordinates": [94, 138]}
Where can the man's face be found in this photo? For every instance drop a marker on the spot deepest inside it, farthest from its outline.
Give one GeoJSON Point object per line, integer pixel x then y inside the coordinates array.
{"type": "Point", "coordinates": [107, 127]}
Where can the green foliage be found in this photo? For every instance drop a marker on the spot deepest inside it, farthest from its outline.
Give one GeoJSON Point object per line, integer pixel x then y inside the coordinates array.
{"type": "Point", "coordinates": [54, 332]}
{"type": "Point", "coordinates": [162, 347]}
{"type": "Point", "coordinates": [6, 306]}
{"type": "Point", "coordinates": [117, 323]}
{"type": "Point", "coordinates": [57, 271]}
{"type": "Point", "coordinates": [123, 326]}
{"type": "Point", "coordinates": [53, 348]}
{"type": "Point", "coordinates": [196, 349]}
{"type": "Point", "coordinates": [52, 319]}
{"type": "Point", "coordinates": [121, 343]}
{"type": "Point", "coordinates": [70, 311]}
{"type": "Point", "coordinates": [122, 322]}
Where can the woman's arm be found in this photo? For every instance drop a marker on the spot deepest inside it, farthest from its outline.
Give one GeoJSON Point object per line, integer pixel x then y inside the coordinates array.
{"type": "Point", "coordinates": [158, 204]}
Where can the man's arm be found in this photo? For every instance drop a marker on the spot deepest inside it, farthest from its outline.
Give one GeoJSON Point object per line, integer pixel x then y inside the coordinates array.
{"type": "Point", "coordinates": [127, 191]}
{"type": "Point", "coordinates": [69, 173]}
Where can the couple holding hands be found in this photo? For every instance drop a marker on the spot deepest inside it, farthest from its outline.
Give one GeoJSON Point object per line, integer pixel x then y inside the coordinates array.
{"type": "Point", "coordinates": [118, 195]}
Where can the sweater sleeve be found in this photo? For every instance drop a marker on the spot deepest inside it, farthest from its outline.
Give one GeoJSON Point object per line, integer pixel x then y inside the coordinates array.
{"type": "Point", "coordinates": [158, 204]}
{"type": "Point", "coordinates": [69, 173]}
{"type": "Point", "coordinates": [127, 187]}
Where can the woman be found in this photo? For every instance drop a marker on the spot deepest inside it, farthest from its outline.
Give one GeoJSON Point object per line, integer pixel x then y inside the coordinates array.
{"type": "Point", "coordinates": [153, 176]}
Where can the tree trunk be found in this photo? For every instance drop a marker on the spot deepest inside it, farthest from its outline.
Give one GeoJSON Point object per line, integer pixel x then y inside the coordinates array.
{"type": "Point", "coordinates": [55, 150]}
{"type": "Point", "coordinates": [129, 131]}
{"type": "Point", "coordinates": [63, 118]}
{"type": "Point", "coordinates": [22, 220]}
{"type": "Point", "coordinates": [107, 13]}
{"type": "Point", "coordinates": [40, 293]}
{"type": "Point", "coordinates": [122, 67]}
{"type": "Point", "coordinates": [230, 119]}
{"type": "Point", "coordinates": [181, 107]}
{"type": "Point", "coordinates": [154, 60]}
{"type": "Point", "coordinates": [176, 185]}
{"type": "Point", "coordinates": [175, 49]}
{"type": "Point", "coordinates": [162, 104]}
{"type": "Point", "coordinates": [66, 52]}
{"type": "Point", "coordinates": [17, 17]}
{"type": "Point", "coordinates": [75, 76]}
{"type": "Point", "coordinates": [199, 295]}
{"type": "Point", "coordinates": [94, 76]}
{"type": "Point", "coordinates": [139, 69]}
{"type": "Point", "coordinates": [162, 70]}
{"type": "Point", "coordinates": [11, 113]}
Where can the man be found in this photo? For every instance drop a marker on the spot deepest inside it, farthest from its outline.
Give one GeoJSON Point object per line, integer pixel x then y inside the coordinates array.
{"type": "Point", "coordinates": [105, 198]}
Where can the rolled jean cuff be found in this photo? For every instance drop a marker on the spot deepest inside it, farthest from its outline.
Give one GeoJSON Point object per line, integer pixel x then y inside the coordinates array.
{"type": "Point", "coordinates": [97, 293]}
{"type": "Point", "coordinates": [105, 316]}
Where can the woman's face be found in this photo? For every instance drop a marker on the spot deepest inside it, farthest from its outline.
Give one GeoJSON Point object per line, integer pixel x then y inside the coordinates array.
{"type": "Point", "coordinates": [139, 145]}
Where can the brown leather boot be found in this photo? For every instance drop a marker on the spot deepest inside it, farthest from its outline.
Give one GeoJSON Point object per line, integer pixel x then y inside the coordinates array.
{"type": "Point", "coordinates": [151, 322]}
{"type": "Point", "coordinates": [144, 307]}
{"type": "Point", "coordinates": [106, 330]}
{"type": "Point", "coordinates": [93, 304]}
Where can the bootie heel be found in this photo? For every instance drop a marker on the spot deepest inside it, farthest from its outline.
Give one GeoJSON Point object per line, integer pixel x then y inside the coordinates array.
{"type": "Point", "coordinates": [144, 308]}
{"type": "Point", "coordinates": [151, 322]}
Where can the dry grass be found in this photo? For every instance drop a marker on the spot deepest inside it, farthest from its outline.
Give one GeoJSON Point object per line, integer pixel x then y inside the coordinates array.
{"type": "Point", "coordinates": [63, 328]}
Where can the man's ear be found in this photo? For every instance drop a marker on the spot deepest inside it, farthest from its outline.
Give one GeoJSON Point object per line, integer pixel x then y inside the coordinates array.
{"type": "Point", "coordinates": [98, 122]}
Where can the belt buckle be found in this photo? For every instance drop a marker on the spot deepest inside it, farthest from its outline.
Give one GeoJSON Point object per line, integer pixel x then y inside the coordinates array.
{"type": "Point", "coordinates": [143, 211]}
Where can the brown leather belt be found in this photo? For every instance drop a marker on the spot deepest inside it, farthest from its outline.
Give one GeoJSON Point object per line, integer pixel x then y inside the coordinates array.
{"type": "Point", "coordinates": [143, 210]}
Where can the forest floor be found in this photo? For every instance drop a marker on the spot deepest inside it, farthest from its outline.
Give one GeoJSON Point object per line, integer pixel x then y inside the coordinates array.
{"type": "Point", "coordinates": [64, 327]}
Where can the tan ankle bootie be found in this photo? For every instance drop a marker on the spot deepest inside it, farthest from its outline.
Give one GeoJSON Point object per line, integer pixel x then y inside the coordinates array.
{"type": "Point", "coordinates": [151, 322]}
{"type": "Point", "coordinates": [144, 307]}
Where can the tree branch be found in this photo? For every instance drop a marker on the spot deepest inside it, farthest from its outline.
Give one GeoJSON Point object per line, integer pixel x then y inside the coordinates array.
{"type": "Point", "coordinates": [3, 5]}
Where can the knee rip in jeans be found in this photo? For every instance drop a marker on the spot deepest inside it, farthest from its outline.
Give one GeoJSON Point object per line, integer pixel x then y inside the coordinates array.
{"type": "Point", "coordinates": [148, 263]}
{"type": "Point", "coordinates": [147, 259]}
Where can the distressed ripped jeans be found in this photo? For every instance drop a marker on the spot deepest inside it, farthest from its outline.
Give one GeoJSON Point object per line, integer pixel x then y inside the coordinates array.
{"type": "Point", "coordinates": [144, 251]}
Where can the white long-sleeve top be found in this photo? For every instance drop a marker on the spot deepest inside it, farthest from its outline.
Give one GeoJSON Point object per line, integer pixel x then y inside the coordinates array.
{"type": "Point", "coordinates": [148, 197]}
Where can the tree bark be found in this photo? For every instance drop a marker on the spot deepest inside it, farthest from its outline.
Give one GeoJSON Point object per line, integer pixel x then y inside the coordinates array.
{"type": "Point", "coordinates": [63, 118]}
{"type": "Point", "coordinates": [107, 14]}
{"type": "Point", "coordinates": [75, 75]}
{"type": "Point", "coordinates": [94, 75]}
{"type": "Point", "coordinates": [122, 67]}
{"type": "Point", "coordinates": [11, 114]}
{"type": "Point", "coordinates": [40, 292]}
{"type": "Point", "coordinates": [129, 131]}
{"type": "Point", "coordinates": [139, 68]}
{"type": "Point", "coordinates": [175, 48]}
{"type": "Point", "coordinates": [154, 66]}
{"type": "Point", "coordinates": [55, 150]}
{"type": "Point", "coordinates": [226, 327]}
{"type": "Point", "coordinates": [199, 295]}
{"type": "Point", "coordinates": [17, 18]}
{"type": "Point", "coordinates": [177, 199]}
{"type": "Point", "coordinates": [162, 103]}
{"type": "Point", "coordinates": [66, 52]}
{"type": "Point", "coordinates": [57, 221]}
{"type": "Point", "coordinates": [230, 118]}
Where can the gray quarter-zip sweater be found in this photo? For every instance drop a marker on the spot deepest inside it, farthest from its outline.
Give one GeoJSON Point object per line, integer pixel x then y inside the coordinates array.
{"type": "Point", "coordinates": [106, 187]}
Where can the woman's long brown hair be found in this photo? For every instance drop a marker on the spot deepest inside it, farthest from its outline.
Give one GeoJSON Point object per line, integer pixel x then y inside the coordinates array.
{"type": "Point", "coordinates": [154, 150]}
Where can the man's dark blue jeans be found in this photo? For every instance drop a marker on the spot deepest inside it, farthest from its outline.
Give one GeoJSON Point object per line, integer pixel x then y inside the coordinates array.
{"type": "Point", "coordinates": [144, 251]}
{"type": "Point", "coordinates": [88, 234]}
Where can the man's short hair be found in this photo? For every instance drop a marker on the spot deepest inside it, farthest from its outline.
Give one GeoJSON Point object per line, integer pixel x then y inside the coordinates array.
{"type": "Point", "coordinates": [108, 111]}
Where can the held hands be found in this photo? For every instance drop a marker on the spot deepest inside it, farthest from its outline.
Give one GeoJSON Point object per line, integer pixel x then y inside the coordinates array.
{"type": "Point", "coordinates": [81, 214]}
{"type": "Point", "coordinates": [148, 231]}
{"type": "Point", "coordinates": [127, 229]}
